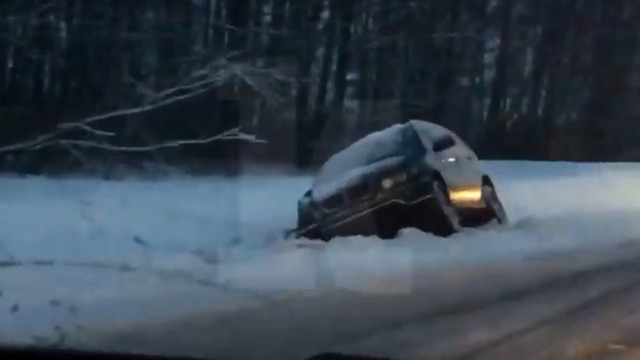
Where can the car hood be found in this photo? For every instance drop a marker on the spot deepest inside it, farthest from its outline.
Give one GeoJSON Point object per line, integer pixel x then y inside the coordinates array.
{"type": "Point", "coordinates": [321, 190]}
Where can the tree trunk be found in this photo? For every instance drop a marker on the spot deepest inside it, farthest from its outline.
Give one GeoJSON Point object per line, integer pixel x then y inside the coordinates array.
{"type": "Point", "coordinates": [303, 83]}
{"type": "Point", "coordinates": [343, 60]}
{"type": "Point", "coordinates": [444, 80]}
{"type": "Point", "coordinates": [494, 128]}
{"type": "Point", "coordinates": [238, 17]}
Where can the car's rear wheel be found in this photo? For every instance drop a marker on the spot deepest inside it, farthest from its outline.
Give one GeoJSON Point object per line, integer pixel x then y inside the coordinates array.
{"type": "Point", "coordinates": [493, 206]}
{"type": "Point", "coordinates": [447, 218]}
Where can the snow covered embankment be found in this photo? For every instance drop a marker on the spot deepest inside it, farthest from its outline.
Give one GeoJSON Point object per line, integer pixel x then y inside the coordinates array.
{"type": "Point", "coordinates": [197, 243]}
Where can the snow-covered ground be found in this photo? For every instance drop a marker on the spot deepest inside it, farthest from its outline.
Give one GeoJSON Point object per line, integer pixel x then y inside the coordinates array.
{"type": "Point", "coordinates": [78, 254]}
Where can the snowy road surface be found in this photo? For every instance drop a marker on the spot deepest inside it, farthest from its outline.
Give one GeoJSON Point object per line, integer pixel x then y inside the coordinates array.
{"type": "Point", "coordinates": [560, 318]}
{"type": "Point", "coordinates": [82, 256]}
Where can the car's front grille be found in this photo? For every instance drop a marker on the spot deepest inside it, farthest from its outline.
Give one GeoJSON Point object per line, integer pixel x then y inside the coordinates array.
{"type": "Point", "coordinates": [359, 191]}
{"type": "Point", "coordinates": [333, 201]}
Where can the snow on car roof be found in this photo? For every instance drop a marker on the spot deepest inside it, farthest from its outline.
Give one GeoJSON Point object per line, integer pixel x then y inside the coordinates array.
{"type": "Point", "coordinates": [355, 160]}
{"type": "Point", "coordinates": [429, 129]}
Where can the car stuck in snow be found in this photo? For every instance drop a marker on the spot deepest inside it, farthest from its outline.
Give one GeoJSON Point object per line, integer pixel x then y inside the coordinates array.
{"type": "Point", "coordinates": [417, 174]}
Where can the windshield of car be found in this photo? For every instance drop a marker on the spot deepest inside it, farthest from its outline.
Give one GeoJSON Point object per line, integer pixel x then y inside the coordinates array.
{"type": "Point", "coordinates": [273, 179]}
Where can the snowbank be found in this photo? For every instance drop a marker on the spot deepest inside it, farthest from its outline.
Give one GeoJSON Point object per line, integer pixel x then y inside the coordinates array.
{"type": "Point", "coordinates": [131, 247]}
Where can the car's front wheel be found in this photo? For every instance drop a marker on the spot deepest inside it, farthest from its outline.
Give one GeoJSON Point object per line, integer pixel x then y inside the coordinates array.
{"type": "Point", "coordinates": [448, 220]}
{"type": "Point", "coordinates": [493, 205]}
{"type": "Point", "coordinates": [386, 226]}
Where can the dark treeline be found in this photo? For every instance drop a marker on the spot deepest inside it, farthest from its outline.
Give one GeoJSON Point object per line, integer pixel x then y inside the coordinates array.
{"type": "Point", "coordinates": [93, 82]}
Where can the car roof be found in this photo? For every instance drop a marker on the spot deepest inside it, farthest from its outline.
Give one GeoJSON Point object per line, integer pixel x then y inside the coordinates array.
{"type": "Point", "coordinates": [428, 128]}
{"type": "Point", "coordinates": [347, 164]}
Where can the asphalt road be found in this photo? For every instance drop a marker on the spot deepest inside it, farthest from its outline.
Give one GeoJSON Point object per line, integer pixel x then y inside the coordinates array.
{"type": "Point", "coordinates": [604, 327]}
{"type": "Point", "coordinates": [571, 306]}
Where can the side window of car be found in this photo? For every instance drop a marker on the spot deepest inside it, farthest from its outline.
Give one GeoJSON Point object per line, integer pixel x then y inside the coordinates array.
{"type": "Point", "coordinates": [443, 143]}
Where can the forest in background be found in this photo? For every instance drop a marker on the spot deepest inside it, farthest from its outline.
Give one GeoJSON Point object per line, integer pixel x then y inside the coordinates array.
{"type": "Point", "coordinates": [95, 84]}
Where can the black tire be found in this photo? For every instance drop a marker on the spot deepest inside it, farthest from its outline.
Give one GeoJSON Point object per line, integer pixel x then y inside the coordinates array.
{"type": "Point", "coordinates": [324, 236]}
{"type": "Point", "coordinates": [316, 234]}
{"type": "Point", "coordinates": [493, 206]}
{"type": "Point", "coordinates": [447, 217]}
{"type": "Point", "coordinates": [386, 226]}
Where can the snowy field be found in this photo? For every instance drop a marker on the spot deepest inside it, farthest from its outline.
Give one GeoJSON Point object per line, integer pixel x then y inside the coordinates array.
{"type": "Point", "coordinates": [80, 254]}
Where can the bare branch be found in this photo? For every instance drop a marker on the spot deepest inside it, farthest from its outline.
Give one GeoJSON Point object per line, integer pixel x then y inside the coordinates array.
{"type": "Point", "coordinates": [162, 98]}
{"type": "Point", "coordinates": [217, 73]}
{"type": "Point", "coordinates": [232, 134]}
{"type": "Point", "coordinates": [95, 131]}
{"type": "Point", "coordinates": [29, 143]}
{"type": "Point", "coordinates": [131, 111]}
